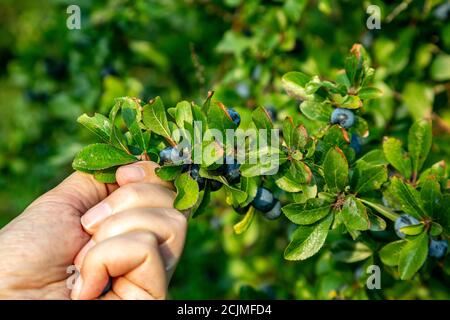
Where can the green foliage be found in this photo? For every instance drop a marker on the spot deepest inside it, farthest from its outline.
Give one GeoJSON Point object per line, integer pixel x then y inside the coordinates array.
{"type": "Point", "coordinates": [241, 50]}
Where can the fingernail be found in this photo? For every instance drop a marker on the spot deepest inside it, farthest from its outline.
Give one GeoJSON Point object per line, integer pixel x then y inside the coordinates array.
{"type": "Point", "coordinates": [133, 173]}
{"type": "Point", "coordinates": [80, 257]}
{"type": "Point", "coordinates": [96, 214]}
{"type": "Point", "coordinates": [76, 290]}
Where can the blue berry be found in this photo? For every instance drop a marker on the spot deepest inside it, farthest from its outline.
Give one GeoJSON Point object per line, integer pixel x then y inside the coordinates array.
{"type": "Point", "coordinates": [274, 213]}
{"type": "Point", "coordinates": [344, 117]}
{"type": "Point", "coordinates": [241, 210]}
{"type": "Point", "coordinates": [437, 248]}
{"type": "Point", "coordinates": [165, 155]}
{"type": "Point", "coordinates": [403, 221]}
{"type": "Point", "coordinates": [231, 170]}
{"type": "Point", "coordinates": [195, 174]}
{"type": "Point", "coordinates": [234, 116]}
{"type": "Point", "coordinates": [264, 200]}
{"type": "Point", "coordinates": [214, 185]}
{"type": "Point", "coordinates": [355, 143]}
{"type": "Point", "coordinates": [174, 155]}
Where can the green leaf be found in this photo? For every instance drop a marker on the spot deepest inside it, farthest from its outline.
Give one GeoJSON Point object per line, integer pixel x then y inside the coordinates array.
{"type": "Point", "coordinates": [314, 110]}
{"type": "Point", "coordinates": [385, 211]}
{"type": "Point", "coordinates": [368, 177]}
{"type": "Point", "coordinates": [207, 103]}
{"type": "Point", "coordinates": [361, 127]}
{"type": "Point", "coordinates": [250, 187]}
{"type": "Point", "coordinates": [307, 240]}
{"type": "Point", "coordinates": [412, 230]}
{"type": "Point", "coordinates": [262, 119]}
{"type": "Point", "coordinates": [187, 192]}
{"type": "Point", "coordinates": [131, 115]}
{"type": "Point", "coordinates": [390, 253]}
{"type": "Point", "coordinates": [245, 223]}
{"type": "Point", "coordinates": [354, 214]}
{"type": "Point", "coordinates": [270, 165]}
{"type": "Point", "coordinates": [235, 197]}
{"type": "Point", "coordinates": [155, 118]}
{"type": "Point", "coordinates": [369, 93]}
{"type": "Point", "coordinates": [394, 153]}
{"type": "Point", "coordinates": [117, 138]}
{"type": "Point", "coordinates": [419, 143]}
{"type": "Point", "coordinates": [440, 68]}
{"type": "Point", "coordinates": [168, 172]}
{"type": "Point", "coordinates": [106, 176]}
{"type": "Point", "coordinates": [202, 205]}
{"type": "Point", "coordinates": [299, 137]}
{"type": "Point", "coordinates": [101, 156]}
{"type": "Point", "coordinates": [289, 185]}
{"type": "Point", "coordinates": [351, 102]}
{"type": "Point", "coordinates": [431, 196]}
{"type": "Point", "coordinates": [335, 169]}
{"type": "Point", "coordinates": [307, 213]}
{"type": "Point", "coordinates": [218, 118]}
{"type": "Point", "coordinates": [300, 171]}
{"type": "Point", "coordinates": [436, 229]}
{"type": "Point", "coordinates": [374, 157]}
{"type": "Point", "coordinates": [294, 83]}
{"type": "Point", "coordinates": [307, 192]}
{"type": "Point", "coordinates": [350, 251]}
{"type": "Point", "coordinates": [409, 198]}
{"type": "Point", "coordinates": [413, 256]}
{"type": "Point", "coordinates": [183, 113]}
{"type": "Point", "coordinates": [288, 129]}
{"type": "Point", "coordinates": [98, 124]}
{"type": "Point", "coordinates": [376, 223]}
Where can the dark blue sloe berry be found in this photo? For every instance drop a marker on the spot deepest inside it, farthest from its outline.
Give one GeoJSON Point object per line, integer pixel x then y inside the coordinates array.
{"type": "Point", "coordinates": [195, 174]}
{"type": "Point", "coordinates": [241, 210]}
{"type": "Point", "coordinates": [165, 155]}
{"type": "Point", "coordinates": [344, 117]}
{"type": "Point", "coordinates": [234, 116]}
{"type": "Point", "coordinates": [231, 170]}
{"type": "Point", "coordinates": [214, 185]}
{"type": "Point", "coordinates": [437, 248]}
{"type": "Point", "coordinates": [175, 155]}
{"type": "Point", "coordinates": [264, 200]}
{"type": "Point", "coordinates": [355, 143]}
{"type": "Point", "coordinates": [403, 221]}
{"type": "Point", "coordinates": [275, 212]}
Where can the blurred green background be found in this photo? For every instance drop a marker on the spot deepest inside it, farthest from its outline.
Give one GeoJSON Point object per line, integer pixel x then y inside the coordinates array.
{"type": "Point", "coordinates": [176, 49]}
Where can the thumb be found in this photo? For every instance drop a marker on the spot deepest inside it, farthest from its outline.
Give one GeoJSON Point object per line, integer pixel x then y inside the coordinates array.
{"type": "Point", "coordinates": [79, 190]}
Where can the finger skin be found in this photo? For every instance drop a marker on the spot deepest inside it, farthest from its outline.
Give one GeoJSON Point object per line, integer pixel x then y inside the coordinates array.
{"type": "Point", "coordinates": [168, 225]}
{"type": "Point", "coordinates": [79, 190]}
{"type": "Point", "coordinates": [134, 195]}
{"type": "Point", "coordinates": [143, 267]}
{"type": "Point", "coordinates": [142, 171]}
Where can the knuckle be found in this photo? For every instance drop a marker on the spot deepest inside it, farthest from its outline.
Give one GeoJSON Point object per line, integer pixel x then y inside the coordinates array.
{"type": "Point", "coordinates": [177, 220]}
{"type": "Point", "coordinates": [132, 192]}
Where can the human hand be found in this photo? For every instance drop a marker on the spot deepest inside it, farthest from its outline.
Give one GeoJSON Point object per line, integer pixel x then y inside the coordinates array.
{"type": "Point", "coordinates": [38, 246]}
{"type": "Point", "coordinates": [137, 238]}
